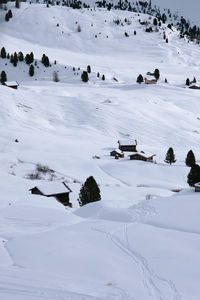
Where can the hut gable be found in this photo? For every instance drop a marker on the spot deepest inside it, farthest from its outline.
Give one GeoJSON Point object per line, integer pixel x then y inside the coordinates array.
{"type": "Point", "coordinates": [197, 187]}
{"type": "Point", "coordinates": [12, 84]}
{"type": "Point", "coordinates": [58, 190]}
{"type": "Point", "coordinates": [127, 145]}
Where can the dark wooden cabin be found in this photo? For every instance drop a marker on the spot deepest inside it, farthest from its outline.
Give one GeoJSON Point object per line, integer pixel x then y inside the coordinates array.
{"type": "Point", "coordinates": [58, 190]}
{"type": "Point", "coordinates": [117, 152]}
{"type": "Point", "coordinates": [141, 156]}
{"type": "Point", "coordinates": [197, 187]}
{"type": "Point", "coordinates": [12, 84]}
{"type": "Point", "coordinates": [127, 146]}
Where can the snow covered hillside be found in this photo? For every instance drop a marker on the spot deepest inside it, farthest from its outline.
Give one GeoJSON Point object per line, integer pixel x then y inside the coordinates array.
{"type": "Point", "coordinates": [141, 241]}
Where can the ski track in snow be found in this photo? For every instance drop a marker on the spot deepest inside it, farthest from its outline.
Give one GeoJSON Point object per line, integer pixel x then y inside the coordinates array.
{"type": "Point", "coordinates": [150, 279]}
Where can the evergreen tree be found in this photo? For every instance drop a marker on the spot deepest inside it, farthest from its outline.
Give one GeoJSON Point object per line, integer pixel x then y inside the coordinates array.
{"type": "Point", "coordinates": [88, 69]}
{"type": "Point", "coordinates": [187, 82]}
{"type": "Point", "coordinates": [190, 159]}
{"type": "Point", "coordinates": [20, 56]}
{"type": "Point", "coordinates": [31, 70]}
{"type": "Point", "coordinates": [27, 59]}
{"type": "Point", "coordinates": [84, 76]}
{"type": "Point", "coordinates": [140, 79]}
{"type": "Point", "coordinates": [3, 53]}
{"type": "Point", "coordinates": [103, 77]}
{"type": "Point", "coordinates": [170, 157]}
{"type": "Point", "coordinates": [11, 58]}
{"type": "Point", "coordinates": [17, 4]}
{"type": "Point", "coordinates": [10, 13]}
{"type": "Point", "coordinates": [89, 192]}
{"type": "Point", "coordinates": [3, 77]}
{"type": "Point", "coordinates": [98, 74]}
{"type": "Point", "coordinates": [155, 22]}
{"type": "Point", "coordinates": [157, 74]}
{"type": "Point", "coordinates": [7, 17]}
{"type": "Point", "coordinates": [8, 56]}
{"type": "Point", "coordinates": [31, 57]}
{"type": "Point", "coordinates": [15, 59]}
{"type": "Point", "coordinates": [194, 175]}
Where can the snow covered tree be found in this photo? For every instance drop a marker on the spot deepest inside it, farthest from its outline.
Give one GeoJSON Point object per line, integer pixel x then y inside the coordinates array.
{"type": "Point", "coordinates": [84, 76]}
{"type": "Point", "coordinates": [3, 77]}
{"type": "Point", "coordinates": [157, 74]}
{"type": "Point", "coordinates": [89, 192]}
{"type": "Point", "coordinates": [3, 52]}
{"type": "Point", "coordinates": [140, 79]}
{"type": "Point", "coordinates": [170, 157]}
{"type": "Point", "coordinates": [194, 175]}
{"type": "Point", "coordinates": [88, 69]}
{"type": "Point", "coordinates": [31, 70]}
{"type": "Point", "coordinates": [190, 159]}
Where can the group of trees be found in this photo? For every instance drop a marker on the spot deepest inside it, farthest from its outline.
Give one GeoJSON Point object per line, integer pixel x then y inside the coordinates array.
{"type": "Point", "coordinates": [85, 77]}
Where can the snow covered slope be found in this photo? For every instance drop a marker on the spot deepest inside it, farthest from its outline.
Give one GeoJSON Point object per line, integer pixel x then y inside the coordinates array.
{"type": "Point", "coordinates": [141, 241]}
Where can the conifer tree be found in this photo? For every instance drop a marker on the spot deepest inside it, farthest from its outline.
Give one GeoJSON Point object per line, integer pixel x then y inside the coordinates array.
{"type": "Point", "coordinates": [31, 70]}
{"type": "Point", "coordinates": [103, 77]}
{"type": "Point", "coordinates": [3, 77]}
{"type": "Point", "coordinates": [31, 57]}
{"type": "Point", "coordinates": [17, 4]}
{"type": "Point", "coordinates": [15, 59]}
{"type": "Point", "coordinates": [84, 76]}
{"type": "Point", "coordinates": [89, 192]}
{"type": "Point", "coordinates": [170, 157]}
{"type": "Point", "coordinates": [194, 175]}
{"type": "Point", "coordinates": [187, 82]}
{"type": "Point", "coordinates": [88, 69]}
{"type": "Point", "coordinates": [157, 74]}
{"type": "Point", "coordinates": [140, 79]}
{"type": "Point", "coordinates": [7, 17]}
{"type": "Point", "coordinates": [10, 13]}
{"type": "Point", "coordinates": [20, 56]}
{"type": "Point", "coordinates": [3, 53]}
{"type": "Point", "coordinates": [11, 58]}
{"type": "Point", "coordinates": [98, 74]}
{"type": "Point", "coordinates": [190, 159]}
{"type": "Point", "coordinates": [27, 59]}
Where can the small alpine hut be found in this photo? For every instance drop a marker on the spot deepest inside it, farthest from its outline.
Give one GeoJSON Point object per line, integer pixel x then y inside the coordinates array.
{"type": "Point", "coordinates": [197, 187]}
{"type": "Point", "coordinates": [118, 153]}
{"type": "Point", "coordinates": [58, 190]}
{"type": "Point", "coordinates": [150, 81]}
{"type": "Point", "coordinates": [12, 84]}
{"type": "Point", "coordinates": [127, 145]}
{"type": "Point", "coordinates": [142, 156]}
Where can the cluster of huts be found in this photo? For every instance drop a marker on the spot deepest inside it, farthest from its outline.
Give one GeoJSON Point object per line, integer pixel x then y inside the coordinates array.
{"type": "Point", "coordinates": [130, 148]}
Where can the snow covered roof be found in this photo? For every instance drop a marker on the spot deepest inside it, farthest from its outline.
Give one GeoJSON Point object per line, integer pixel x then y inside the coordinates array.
{"type": "Point", "coordinates": [127, 142]}
{"type": "Point", "coordinates": [54, 188]}
{"type": "Point", "coordinates": [142, 153]}
{"type": "Point", "coordinates": [197, 184]}
{"type": "Point", "coordinates": [11, 83]}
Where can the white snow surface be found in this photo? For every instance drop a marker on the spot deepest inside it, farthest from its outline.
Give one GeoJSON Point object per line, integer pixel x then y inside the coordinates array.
{"type": "Point", "coordinates": [142, 240]}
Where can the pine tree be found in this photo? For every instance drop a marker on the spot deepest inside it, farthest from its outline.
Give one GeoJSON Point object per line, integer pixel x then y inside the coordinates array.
{"type": "Point", "coordinates": [31, 70]}
{"type": "Point", "coordinates": [140, 79]}
{"type": "Point", "coordinates": [17, 4]}
{"type": "Point", "coordinates": [89, 192]}
{"type": "Point", "coordinates": [31, 57]}
{"type": "Point", "coordinates": [88, 69]}
{"type": "Point", "coordinates": [15, 59]}
{"type": "Point", "coordinates": [11, 58]}
{"type": "Point", "coordinates": [98, 74]}
{"type": "Point", "coordinates": [170, 157]}
{"type": "Point", "coordinates": [3, 77]}
{"type": "Point", "coordinates": [3, 53]}
{"type": "Point", "coordinates": [190, 159]}
{"type": "Point", "coordinates": [7, 17]}
{"type": "Point", "coordinates": [10, 13]}
{"type": "Point", "coordinates": [20, 56]}
{"type": "Point", "coordinates": [157, 74]}
{"type": "Point", "coordinates": [155, 22]}
{"type": "Point", "coordinates": [27, 59]}
{"type": "Point", "coordinates": [187, 82]}
{"type": "Point", "coordinates": [194, 175]}
{"type": "Point", "coordinates": [103, 77]}
{"type": "Point", "coordinates": [84, 76]}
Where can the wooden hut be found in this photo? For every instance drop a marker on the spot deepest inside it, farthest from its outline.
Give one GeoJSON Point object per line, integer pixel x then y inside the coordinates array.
{"type": "Point", "coordinates": [117, 152]}
{"type": "Point", "coordinates": [197, 187]}
{"type": "Point", "coordinates": [142, 156]}
{"type": "Point", "coordinates": [12, 84]}
{"type": "Point", "coordinates": [150, 81]}
{"type": "Point", "coordinates": [127, 146]}
{"type": "Point", "coordinates": [58, 190]}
